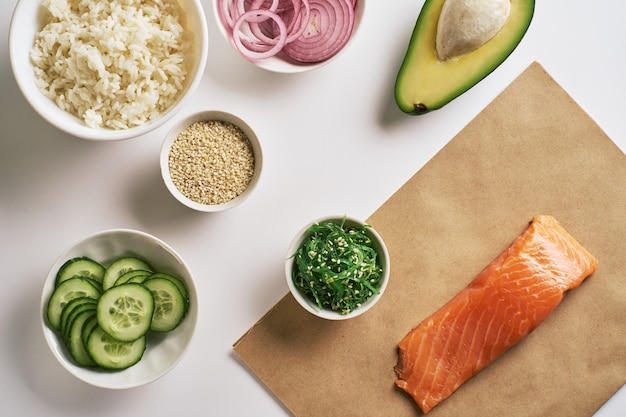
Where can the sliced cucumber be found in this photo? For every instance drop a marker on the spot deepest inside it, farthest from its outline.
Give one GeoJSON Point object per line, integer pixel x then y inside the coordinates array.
{"type": "Point", "coordinates": [81, 266]}
{"type": "Point", "coordinates": [74, 307]}
{"type": "Point", "coordinates": [96, 284]}
{"type": "Point", "coordinates": [135, 275]}
{"type": "Point", "coordinates": [169, 304]}
{"type": "Point", "coordinates": [125, 311]}
{"type": "Point", "coordinates": [66, 291]}
{"type": "Point", "coordinates": [176, 280]}
{"type": "Point", "coordinates": [103, 314]}
{"type": "Point", "coordinates": [138, 279]}
{"type": "Point", "coordinates": [120, 267]}
{"type": "Point", "coordinates": [88, 326]}
{"type": "Point", "coordinates": [110, 353]}
{"type": "Point", "coordinates": [74, 339]}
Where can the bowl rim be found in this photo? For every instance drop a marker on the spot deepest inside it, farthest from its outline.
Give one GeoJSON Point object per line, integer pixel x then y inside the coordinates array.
{"type": "Point", "coordinates": [280, 65]}
{"type": "Point", "coordinates": [21, 36]}
{"type": "Point", "coordinates": [205, 115]}
{"type": "Point", "coordinates": [131, 377]}
{"type": "Point", "coordinates": [379, 246]}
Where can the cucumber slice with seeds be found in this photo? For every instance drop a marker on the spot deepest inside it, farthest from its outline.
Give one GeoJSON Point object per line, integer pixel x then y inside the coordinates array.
{"type": "Point", "coordinates": [81, 266]}
{"type": "Point", "coordinates": [110, 353]}
{"type": "Point", "coordinates": [178, 282]}
{"type": "Point", "coordinates": [125, 311]}
{"type": "Point", "coordinates": [120, 267]}
{"type": "Point", "coordinates": [169, 304]}
{"type": "Point", "coordinates": [64, 293]}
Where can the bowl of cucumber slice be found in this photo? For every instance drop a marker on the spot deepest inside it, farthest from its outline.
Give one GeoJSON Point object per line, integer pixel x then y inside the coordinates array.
{"type": "Point", "coordinates": [119, 308]}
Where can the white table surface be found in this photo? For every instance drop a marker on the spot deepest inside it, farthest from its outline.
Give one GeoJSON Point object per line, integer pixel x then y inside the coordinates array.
{"type": "Point", "coordinates": [334, 142]}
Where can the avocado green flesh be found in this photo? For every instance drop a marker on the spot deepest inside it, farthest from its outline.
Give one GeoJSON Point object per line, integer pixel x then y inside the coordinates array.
{"type": "Point", "coordinates": [425, 83]}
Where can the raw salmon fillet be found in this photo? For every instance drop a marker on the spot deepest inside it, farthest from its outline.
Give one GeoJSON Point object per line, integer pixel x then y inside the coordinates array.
{"type": "Point", "coordinates": [503, 304]}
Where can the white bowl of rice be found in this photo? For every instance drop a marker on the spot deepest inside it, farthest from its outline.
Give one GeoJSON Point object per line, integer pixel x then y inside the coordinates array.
{"type": "Point", "coordinates": [108, 70]}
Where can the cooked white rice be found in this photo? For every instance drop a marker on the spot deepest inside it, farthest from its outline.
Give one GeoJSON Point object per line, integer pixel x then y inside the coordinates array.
{"type": "Point", "coordinates": [115, 63]}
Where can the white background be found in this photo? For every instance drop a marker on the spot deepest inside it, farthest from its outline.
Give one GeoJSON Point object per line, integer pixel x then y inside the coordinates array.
{"type": "Point", "coordinates": [334, 143]}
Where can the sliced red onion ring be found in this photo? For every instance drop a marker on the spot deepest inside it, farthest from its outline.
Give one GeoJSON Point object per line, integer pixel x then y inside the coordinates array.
{"type": "Point", "coordinates": [307, 31]}
{"type": "Point", "coordinates": [329, 29]}
{"type": "Point", "coordinates": [245, 5]}
{"type": "Point", "coordinates": [248, 48]}
{"type": "Point", "coordinates": [225, 13]}
{"type": "Point", "coordinates": [283, 5]}
{"type": "Point", "coordinates": [295, 26]}
{"type": "Point", "coordinates": [296, 18]}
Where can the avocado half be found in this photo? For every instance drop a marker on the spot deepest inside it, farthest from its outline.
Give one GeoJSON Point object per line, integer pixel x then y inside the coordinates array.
{"type": "Point", "coordinates": [425, 83]}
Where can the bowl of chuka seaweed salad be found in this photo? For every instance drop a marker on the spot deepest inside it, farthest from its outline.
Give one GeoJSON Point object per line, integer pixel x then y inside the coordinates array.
{"type": "Point", "coordinates": [337, 267]}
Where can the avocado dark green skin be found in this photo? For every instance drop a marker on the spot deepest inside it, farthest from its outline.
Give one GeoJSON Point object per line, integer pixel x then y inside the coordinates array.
{"type": "Point", "coordinates": [425, 84]}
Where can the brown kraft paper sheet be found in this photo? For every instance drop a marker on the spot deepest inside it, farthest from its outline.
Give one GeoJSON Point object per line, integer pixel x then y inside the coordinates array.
{"type": "Point", "coordinates": [531, 151]}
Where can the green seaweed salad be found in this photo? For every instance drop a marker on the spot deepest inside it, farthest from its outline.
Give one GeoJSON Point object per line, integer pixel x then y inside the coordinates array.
{"type": "Point", "coordinates": [336, 266]}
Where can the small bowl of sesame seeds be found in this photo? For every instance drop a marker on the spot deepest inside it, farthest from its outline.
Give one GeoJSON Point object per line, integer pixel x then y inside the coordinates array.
{"type": "Point", "coordinates": [337, 267]}
{"type": "Point", "coordinates": [211, 161]}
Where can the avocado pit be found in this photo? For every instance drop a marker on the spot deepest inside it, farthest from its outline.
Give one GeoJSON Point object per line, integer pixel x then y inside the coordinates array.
{"type": "Point", "coordinates": [466, 25]}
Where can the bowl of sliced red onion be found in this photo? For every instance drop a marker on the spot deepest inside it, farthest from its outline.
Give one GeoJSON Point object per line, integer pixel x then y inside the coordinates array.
{"type": "Point", "coordinates": [289, 36]}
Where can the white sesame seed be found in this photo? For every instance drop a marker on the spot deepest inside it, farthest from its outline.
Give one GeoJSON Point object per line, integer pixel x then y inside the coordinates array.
{"type": "Point", "coordinates": [211, 162]}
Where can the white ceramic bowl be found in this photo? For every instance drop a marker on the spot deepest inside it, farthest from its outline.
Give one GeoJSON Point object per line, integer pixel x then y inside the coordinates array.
{"type": "Point", "coordinates": [207, 116]}
{"type": "Point", "coordinates": [279, 63]}
{"type": "Point", "coordinates": [377, 243]}
{"type": "Point", "coordinates": [163, 351]}
{"type": "Point", "coordinates": [27, 20]}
